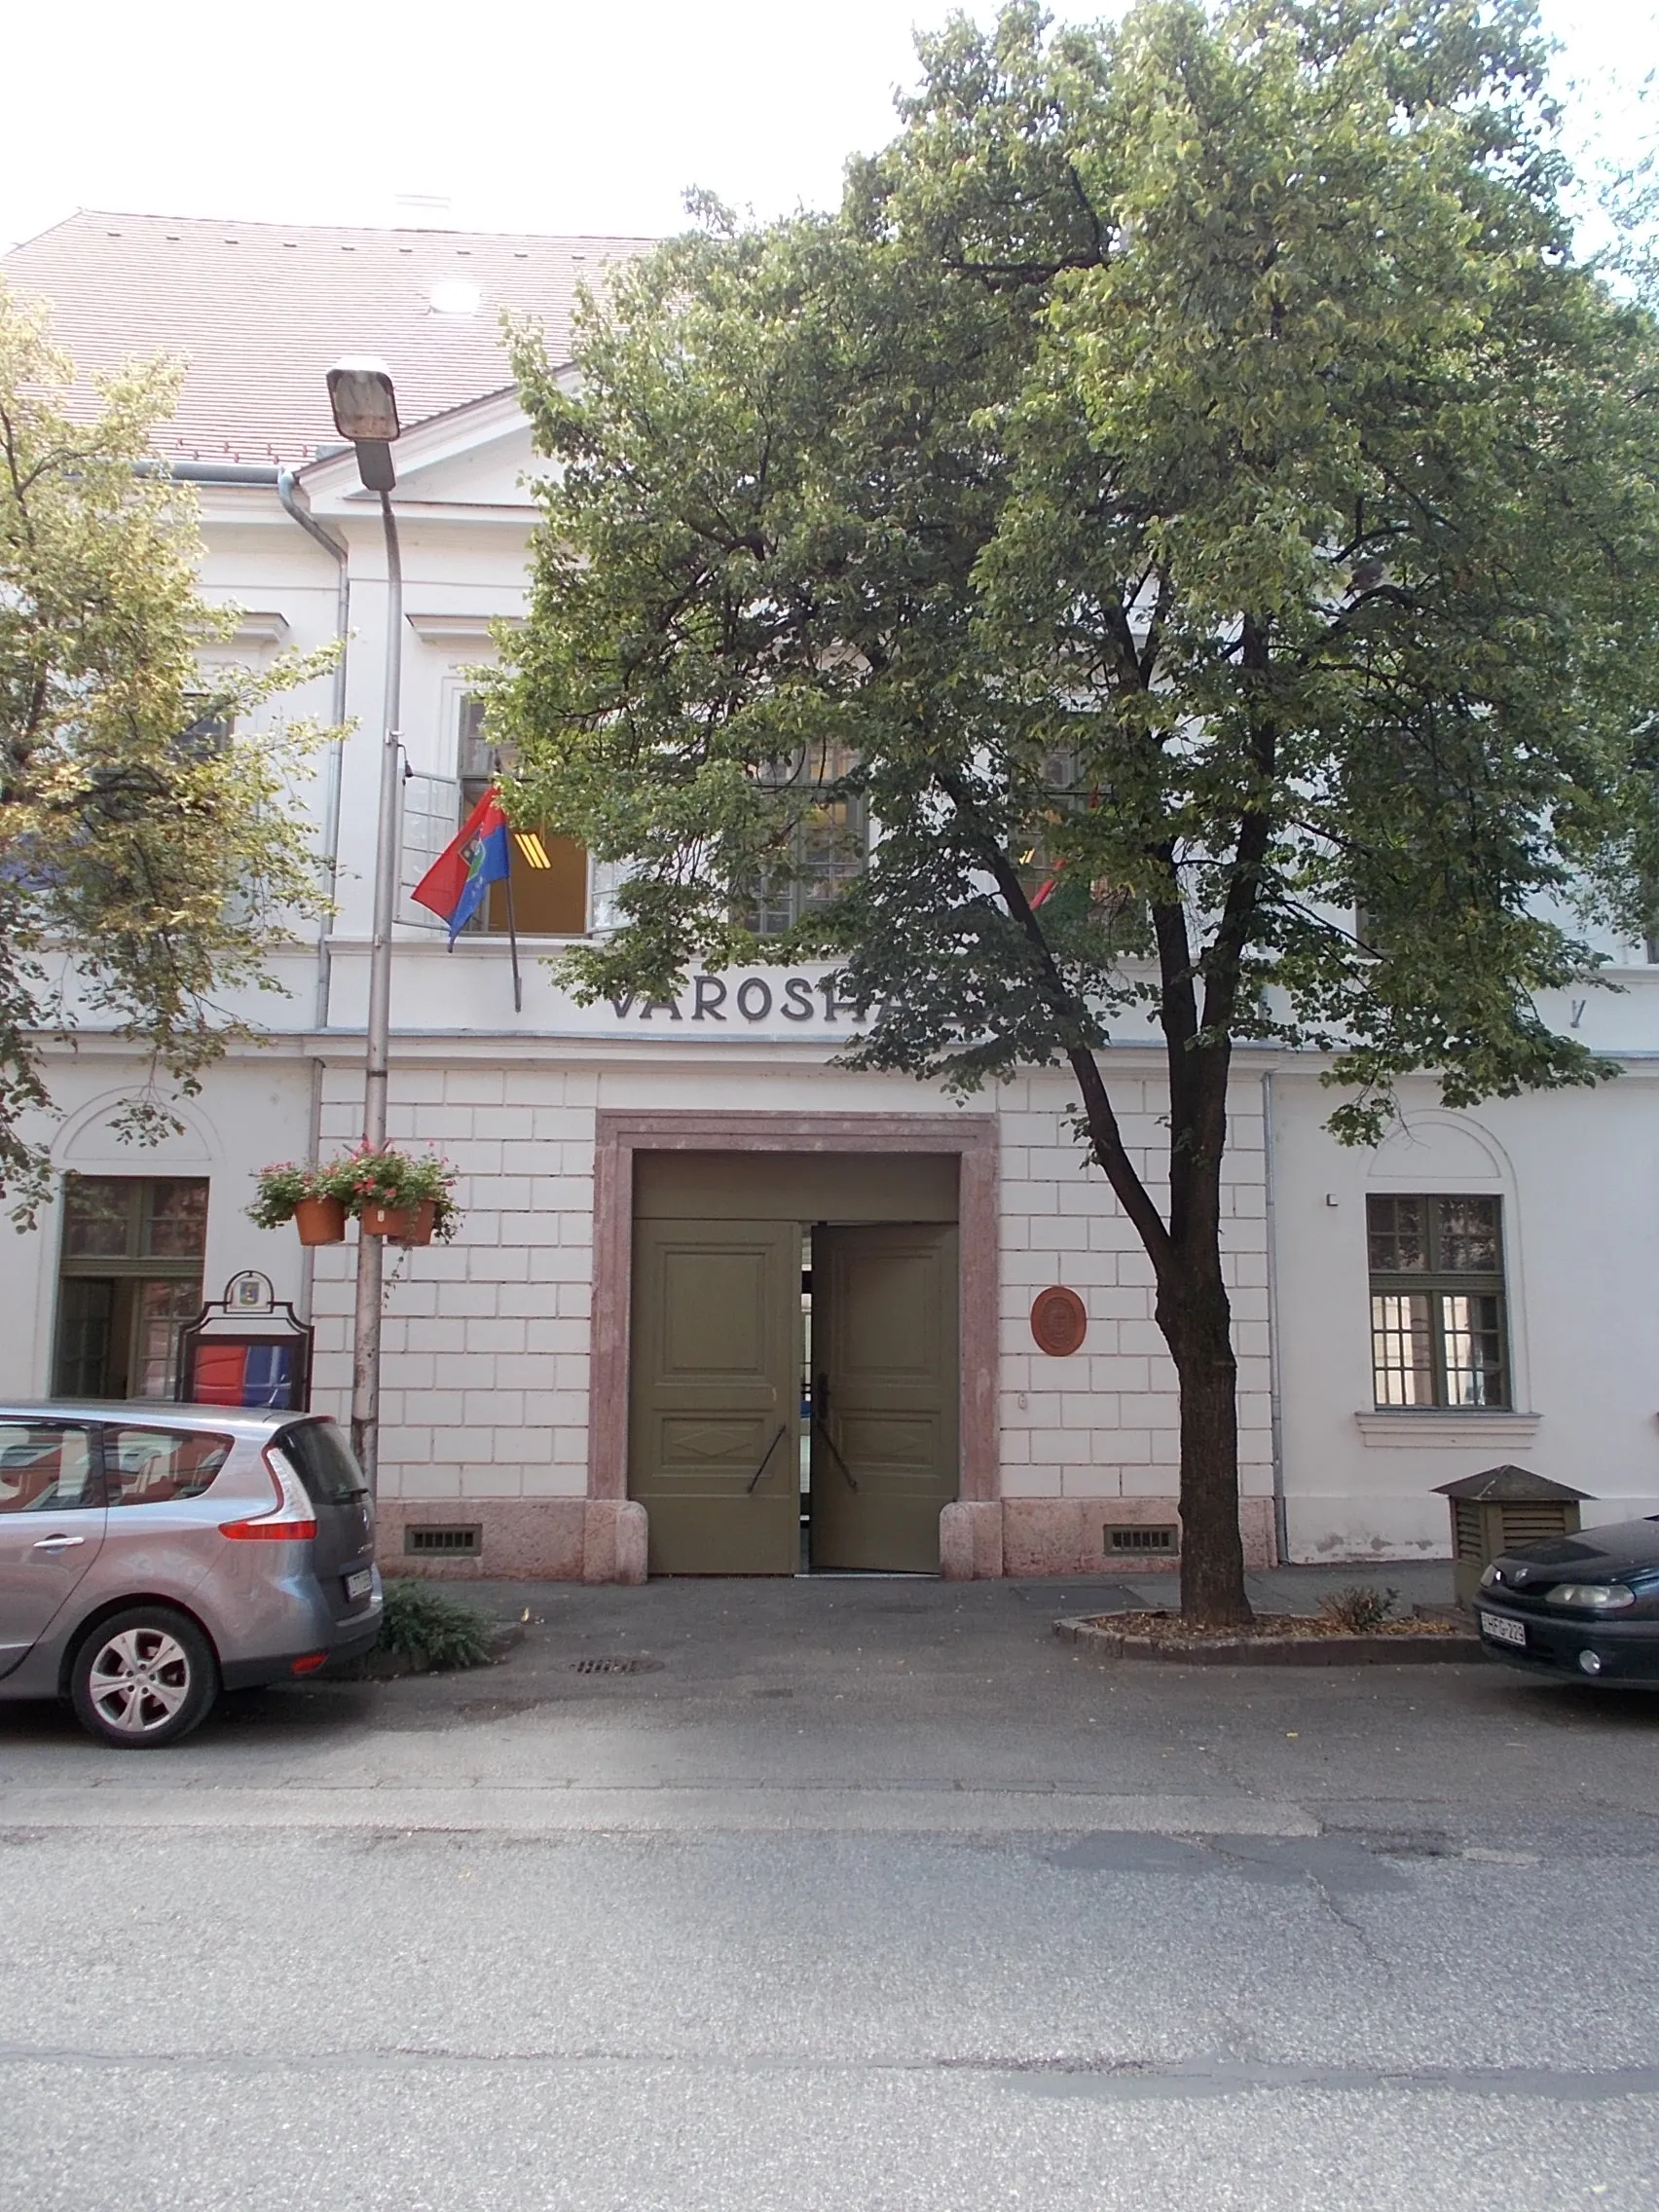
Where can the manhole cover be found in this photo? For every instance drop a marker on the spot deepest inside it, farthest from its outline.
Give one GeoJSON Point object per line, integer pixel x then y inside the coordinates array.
{"type": "Point", "coordinates": [615, 1666]}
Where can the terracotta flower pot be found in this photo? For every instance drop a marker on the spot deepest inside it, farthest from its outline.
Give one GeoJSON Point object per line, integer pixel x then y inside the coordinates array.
{"type": "Point", "coordinates": [405, 1225]}
{"type": "Point", "coordinates": [386, 1221]}
{"type": "Point", "coordinates": [320, 1221]}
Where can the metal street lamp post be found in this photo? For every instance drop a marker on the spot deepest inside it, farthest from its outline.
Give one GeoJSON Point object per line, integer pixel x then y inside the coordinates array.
{"type": "Point", "coordinates": [365, 411]}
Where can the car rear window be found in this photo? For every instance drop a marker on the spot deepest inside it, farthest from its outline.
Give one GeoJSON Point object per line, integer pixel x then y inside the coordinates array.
{"type": "Point", "coordinates": [156, 1466]}
{"type": "Point", "coordinates": [324, 1461]}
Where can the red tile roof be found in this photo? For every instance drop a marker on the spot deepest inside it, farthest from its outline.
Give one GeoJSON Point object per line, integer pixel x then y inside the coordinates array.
{"type": "Point", "coordinates": [259, 310]}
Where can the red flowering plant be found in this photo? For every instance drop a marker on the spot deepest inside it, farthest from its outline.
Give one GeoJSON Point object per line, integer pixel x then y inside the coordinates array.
{"type": "Point", "coordinates": [398, 1182]}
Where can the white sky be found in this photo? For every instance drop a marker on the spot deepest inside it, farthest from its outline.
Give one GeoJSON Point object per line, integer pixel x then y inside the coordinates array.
{"type": "Point", "coordinates": [557, 115]}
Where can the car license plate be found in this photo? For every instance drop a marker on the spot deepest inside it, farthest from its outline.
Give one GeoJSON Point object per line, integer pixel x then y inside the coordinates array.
{"type": "Point", "coordinates": [1501, 1630]}
{"type": "Point", "coordinates": [359, 1585]}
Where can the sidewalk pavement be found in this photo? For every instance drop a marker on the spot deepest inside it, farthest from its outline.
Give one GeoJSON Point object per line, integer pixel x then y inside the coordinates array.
{"type": "Point", "coordinates": [1273, 1590]}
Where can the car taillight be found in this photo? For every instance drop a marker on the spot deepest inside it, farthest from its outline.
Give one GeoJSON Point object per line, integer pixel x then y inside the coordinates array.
{"type": "Point", "coordinates": [292, 1521]}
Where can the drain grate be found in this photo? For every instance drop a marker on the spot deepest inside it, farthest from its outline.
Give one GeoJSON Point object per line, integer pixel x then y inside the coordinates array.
{"type": "Point", "coordinates": [615, 1666]}
{"type": "Point", "coordinates": [1142, 1538]}
{"type": "Point", "coordinates": [451, 1542]}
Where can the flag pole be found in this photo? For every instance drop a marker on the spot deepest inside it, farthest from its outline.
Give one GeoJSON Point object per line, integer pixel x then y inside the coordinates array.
{"type": "Point", "coordinates": [512, 932]}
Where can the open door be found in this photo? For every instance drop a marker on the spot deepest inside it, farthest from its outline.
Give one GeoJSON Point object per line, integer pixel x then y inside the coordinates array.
{"type": "Point", "coordinates": [884, 1388]}
{"type": "Point", "coordinates": [713, 1416]}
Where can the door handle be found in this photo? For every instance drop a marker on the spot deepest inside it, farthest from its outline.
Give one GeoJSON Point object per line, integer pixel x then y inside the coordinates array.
{"type": "Point", "coordinates": [57, 1543]}
{"type": "Point", "coordinates": [821, 1420]}
{"type": "Point", "coordinates": [761, 1468]}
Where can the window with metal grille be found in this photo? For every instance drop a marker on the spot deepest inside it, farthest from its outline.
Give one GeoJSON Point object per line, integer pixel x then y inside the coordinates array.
{"type": "Point", "coordinates": [828, 841]}
{"type": "Point", "coordinates": [1438, 1326]}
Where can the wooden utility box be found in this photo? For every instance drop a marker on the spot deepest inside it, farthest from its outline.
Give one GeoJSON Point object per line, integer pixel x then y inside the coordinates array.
{"type": "Point", "coordinates": [1501, 1511]}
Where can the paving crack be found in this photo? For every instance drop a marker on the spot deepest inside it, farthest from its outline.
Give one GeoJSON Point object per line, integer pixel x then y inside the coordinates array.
{"type": "Point", "coordinates": [1076, 2075]}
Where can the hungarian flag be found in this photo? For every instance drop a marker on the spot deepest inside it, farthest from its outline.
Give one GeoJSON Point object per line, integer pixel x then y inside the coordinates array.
{"type": "Point", "coordinates": [454, 886]}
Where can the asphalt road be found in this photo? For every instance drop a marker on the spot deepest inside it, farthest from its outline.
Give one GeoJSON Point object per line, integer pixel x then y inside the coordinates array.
{"type": "Point", "coordinates": [860, 1897]}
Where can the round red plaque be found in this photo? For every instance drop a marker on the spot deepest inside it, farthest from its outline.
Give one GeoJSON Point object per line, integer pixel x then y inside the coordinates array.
{"type": "Point", "coordinates": [1058, 1321]}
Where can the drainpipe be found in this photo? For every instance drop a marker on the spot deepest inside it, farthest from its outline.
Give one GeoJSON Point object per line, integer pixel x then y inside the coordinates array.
{"type": "Point", "coordinates": [1275, 1414]}
{"type": "Point", "coordinates": [287, 496]}
{"type": "Point", "coordinates": [337, 553]}
{"type": "Point", "coordinates": [264, 476]}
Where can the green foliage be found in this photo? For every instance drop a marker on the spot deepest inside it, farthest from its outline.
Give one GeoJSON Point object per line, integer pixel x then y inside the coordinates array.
{"type": "Point", "coordinates": [1210, 403]}
{"type": "Point", "coordinates": [284, 1187]}
{"type": "Point", "coordinates": [1192, 479]}
{"type": "Point", "coordinates": [397, 1180]}
{"type": "Point", "coordinates": [1360, 1611]}
{"type": "Point", "coordinates": [426, 1625]}
{"type": "Point", "coordinates": [134, 833]}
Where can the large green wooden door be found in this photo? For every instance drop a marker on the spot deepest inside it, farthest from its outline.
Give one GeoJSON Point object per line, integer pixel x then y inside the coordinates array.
{"type": "Point", "coordinates": [713, 1419]}
{"type": "Point", "coordinates": [884, 1427]}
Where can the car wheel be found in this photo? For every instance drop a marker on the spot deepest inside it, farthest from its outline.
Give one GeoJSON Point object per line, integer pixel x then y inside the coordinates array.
{"type": "Point", "coordinates": [143, 1678]}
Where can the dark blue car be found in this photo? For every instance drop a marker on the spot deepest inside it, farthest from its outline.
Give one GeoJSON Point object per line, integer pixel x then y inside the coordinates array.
{"type": "Point", "coordinates": [1586, 1606]}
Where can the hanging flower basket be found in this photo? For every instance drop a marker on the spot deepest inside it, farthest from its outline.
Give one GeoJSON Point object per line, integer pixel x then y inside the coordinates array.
{"type": "Point", "coordinates": [320, 1221]}
{"type": "Point", "coordinates": [304, 1195]}
{"type": "Point", "coordinates": [395, 1196]}
{"type": "Point", "coordinates": [391, 1194]}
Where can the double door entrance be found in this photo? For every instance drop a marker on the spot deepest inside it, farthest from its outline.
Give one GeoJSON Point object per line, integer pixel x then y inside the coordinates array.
{"type": "Point", "coordinates": [794, 1397]}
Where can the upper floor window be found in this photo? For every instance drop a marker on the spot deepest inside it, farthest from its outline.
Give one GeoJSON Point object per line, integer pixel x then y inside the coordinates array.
{"type": "Point", "coordinates": [549, 878]}
{"type": "Point", "coordinates": [130, 1281]}
{"type": "Point", "coordinates": [1438, 1327]}
{"type": "Point", "coordinates": [829, 841]}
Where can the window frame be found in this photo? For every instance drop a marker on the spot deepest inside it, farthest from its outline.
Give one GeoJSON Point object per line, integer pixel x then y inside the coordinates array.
{"type": "Point", "coordinates": [780, 904]}
{"type": "Point", "coordinates": [134, 1266]}
{"type": "Point", "coordinates": [478, 765]}
{"type": "Point", "coordinates": [1438, 1282]}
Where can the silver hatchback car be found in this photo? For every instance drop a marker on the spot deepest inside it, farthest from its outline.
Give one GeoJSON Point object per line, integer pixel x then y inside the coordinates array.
{"type": "Point", "coordinates": [152, 1554]}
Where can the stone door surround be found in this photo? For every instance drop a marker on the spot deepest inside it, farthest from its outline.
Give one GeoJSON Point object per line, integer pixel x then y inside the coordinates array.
{"type": "Point", "coordinates": [970, 1538]}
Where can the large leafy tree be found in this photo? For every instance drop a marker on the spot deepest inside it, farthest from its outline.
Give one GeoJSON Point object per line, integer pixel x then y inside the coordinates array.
{"type": "Point", "coordinates": [1191, 499]}
{"type": "Point", "coordinates": [149, 853]}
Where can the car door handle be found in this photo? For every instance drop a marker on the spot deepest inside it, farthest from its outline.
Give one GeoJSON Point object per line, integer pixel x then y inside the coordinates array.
{"type": "Point", "coordinates": [57, 1543]}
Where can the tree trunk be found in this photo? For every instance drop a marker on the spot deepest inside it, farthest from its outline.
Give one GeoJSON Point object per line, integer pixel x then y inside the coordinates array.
{"type": "Point", "coordinates": [1192, 1310]}
{"type": "Point", "coordinates": [1197, 1322]}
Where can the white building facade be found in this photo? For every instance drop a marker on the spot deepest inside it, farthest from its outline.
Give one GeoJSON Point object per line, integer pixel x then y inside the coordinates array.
{"type": "Point", "coordinates": [1481, 1289]}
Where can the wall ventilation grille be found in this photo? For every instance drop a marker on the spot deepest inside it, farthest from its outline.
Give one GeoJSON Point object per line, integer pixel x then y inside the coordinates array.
{"type": "Point", "coordinates": [451, 1543]}
{"type": "Point", "coordinates": [1164, 1542]}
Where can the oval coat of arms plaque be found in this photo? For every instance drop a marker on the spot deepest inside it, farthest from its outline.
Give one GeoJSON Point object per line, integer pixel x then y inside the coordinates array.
{"type": "Point", "coordinates": [1059, 1322]}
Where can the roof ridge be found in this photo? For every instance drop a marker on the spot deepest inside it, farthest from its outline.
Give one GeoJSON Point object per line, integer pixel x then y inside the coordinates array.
{"type": "Point", "coordinates": [359, 230]}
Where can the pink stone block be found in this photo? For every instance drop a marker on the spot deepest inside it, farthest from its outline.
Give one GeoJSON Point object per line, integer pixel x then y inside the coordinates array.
{"type": "Point", "coordinates": [521, 1539]}
{"type": "Point", "coordinates": [632, 1535]}
{"type": "Point", "coordinates": [970, 1541]}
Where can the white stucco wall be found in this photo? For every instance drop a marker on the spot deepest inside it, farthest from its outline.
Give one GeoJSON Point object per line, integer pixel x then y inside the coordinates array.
{"type": "Point", "coordinates": [487, 1343]}
{"type": "Point", "coordinates": [1578, 1175]}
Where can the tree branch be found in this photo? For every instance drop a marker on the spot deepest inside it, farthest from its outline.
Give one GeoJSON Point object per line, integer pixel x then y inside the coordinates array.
{"type": "Point", "coordinates": [1071, 1013]}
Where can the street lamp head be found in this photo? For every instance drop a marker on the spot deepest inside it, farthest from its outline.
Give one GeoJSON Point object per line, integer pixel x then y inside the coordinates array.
{"type": "Point", "coordinates": [364, 403]}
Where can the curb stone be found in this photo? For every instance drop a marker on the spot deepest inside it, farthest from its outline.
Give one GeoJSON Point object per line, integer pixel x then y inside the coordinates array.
{"type": "Point", "coordinates": [1277, 1650]}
